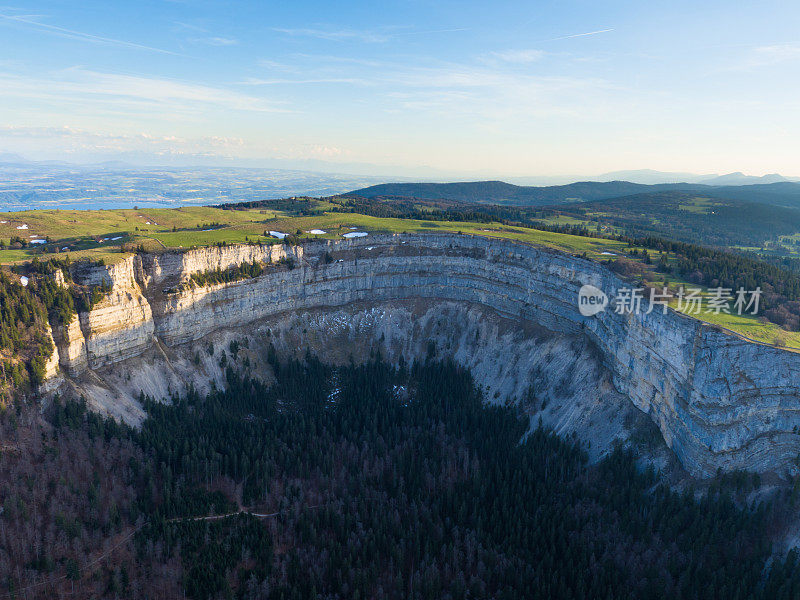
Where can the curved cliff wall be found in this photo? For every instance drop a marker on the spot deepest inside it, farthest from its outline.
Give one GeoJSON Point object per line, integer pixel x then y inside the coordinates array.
{"type": "Point", "coordinates": [719, 401]}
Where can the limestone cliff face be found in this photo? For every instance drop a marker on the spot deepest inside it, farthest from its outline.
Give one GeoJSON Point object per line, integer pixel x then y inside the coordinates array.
{"type": "Point", "coordinates": [51, 372]}
{"type": "Point", "coordinates": [172, 268]}
{"type": "Point", "coordinates": [71, 346]}
{"type": "Point", "coordinates": [120, 325]}
{"type": "Point", "coordinates": [719, 401]}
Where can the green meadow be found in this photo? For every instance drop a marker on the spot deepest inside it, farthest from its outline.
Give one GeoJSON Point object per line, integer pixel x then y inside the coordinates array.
{"type": "Point", "coordinates": [110, 235]}
{"type": "Point", "coordinates": [107, 234]}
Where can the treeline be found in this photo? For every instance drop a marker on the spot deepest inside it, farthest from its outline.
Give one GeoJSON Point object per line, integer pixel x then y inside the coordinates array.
{"type": "Point", "coordinates": [245, 270]}
{"type": "Point", "coordinates": [69, 483]}
{"type": "Point", "coordinates": [441, 210]}
{"type": "Point", "coordinates": [780, 301]}
{"type": "Point", "coordinates": [689, 218]}
{"type": "Point", "coordinates": [63, 300]}
{"type": "Point", "coordinates": [26, 310]}
{"type": "Point", "coordinates": [403, 208]}
{"type": "Point", "coordinates": [778, 278]}
{"type": "Point", "coordinates": [701, 264]}
{"type": "Point", "coordinates": [397, 483]}
{"type": "Point", "coordinates": [302, 205]}
{"type": "Point", "coordinates": [371, 482]}
{"type": "Point", "coordinates": [15, 242]}
{"type": "Point", "coordinates": [24, 344]}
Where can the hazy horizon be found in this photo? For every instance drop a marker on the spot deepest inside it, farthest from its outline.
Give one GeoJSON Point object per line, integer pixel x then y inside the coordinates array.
{"type": "Point", "coordinates": [370, 172]}
{"type": "Point", "coordinates": [501, 91]}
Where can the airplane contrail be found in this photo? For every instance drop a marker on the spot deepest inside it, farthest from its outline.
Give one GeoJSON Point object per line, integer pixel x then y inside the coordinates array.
{"type": "Point", "coordinates": [84, 36]}
{"type": "Point", "coordinates": [577, 35]}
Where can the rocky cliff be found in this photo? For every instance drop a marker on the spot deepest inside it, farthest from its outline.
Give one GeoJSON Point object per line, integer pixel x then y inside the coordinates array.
{"type": "Point", "coordinates": [506, 310]}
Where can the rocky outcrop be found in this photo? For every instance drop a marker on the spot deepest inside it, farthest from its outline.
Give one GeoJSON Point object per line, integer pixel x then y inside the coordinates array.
{"type": "Point", "coordinates": [719, 401]}
{"type": "Point", "coordinates": [52, 376]}
{"type": "Point", "coordinates": [157, 271]}
{"type": "Point", "coordinates": [71, 346]}
{"type": "Point", "coordinates": [121, 325]}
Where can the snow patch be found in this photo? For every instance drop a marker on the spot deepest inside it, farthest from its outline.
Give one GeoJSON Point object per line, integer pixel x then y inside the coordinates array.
{"type": "Point", "coordinates": [355, 234]}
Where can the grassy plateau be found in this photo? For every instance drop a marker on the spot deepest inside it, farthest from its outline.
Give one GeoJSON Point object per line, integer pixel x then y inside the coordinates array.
{"type": "Point", "coordinates": [110, 235]}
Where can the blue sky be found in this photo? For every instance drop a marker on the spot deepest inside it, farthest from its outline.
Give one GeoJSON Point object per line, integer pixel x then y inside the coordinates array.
{"type": "Point", "coordinates": [504, 88]}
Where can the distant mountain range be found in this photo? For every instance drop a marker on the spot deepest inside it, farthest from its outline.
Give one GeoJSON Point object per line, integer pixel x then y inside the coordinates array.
{"type": "Point", "coordinates": [651, 177]}
{"type": "Point", "coordinates": [780, 193]}
{"type": "Point", "coordinates": [739, 178]}
{"type": "Point", "coordinates": [114, 183]}
{"type": "Point", "coordinates": [139, 161]}
{"type": "Point", "coordinates": [648, 176]}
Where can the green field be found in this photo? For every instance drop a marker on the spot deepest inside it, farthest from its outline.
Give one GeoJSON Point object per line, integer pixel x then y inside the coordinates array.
{"type": "Point", "coordinates": [91, 233]}
{"type": "Point", "coordinates": [746, 325]}
{"type": "Point", "coordinates": [111, 235]}
{"type": "Point", "coordinates": [751, 328]}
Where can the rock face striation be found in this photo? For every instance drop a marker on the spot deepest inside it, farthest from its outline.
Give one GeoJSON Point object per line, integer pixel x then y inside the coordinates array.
{"type": "Point", "coordinates": [508, 311]}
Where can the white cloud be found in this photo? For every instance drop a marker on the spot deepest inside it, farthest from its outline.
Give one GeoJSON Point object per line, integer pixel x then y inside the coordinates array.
{"type": "Point", "coordinates": [490, 87]}
{"type": "Point", "coordinates": [518, 56]}
{"type": "Point", "coordinates": [73, 140]}
{"type": "Point", "coordinates": [217, 41]}
{"type": "Point", "coordinates": [32, 23]}
{"type": "Point", "coordinates": [384, 34]}
{"type": "Point", "coordinates": [774, 54]}
{"type": "Point", "coordinates": [287, 81]}
{"type": "Point", "coordinates": [111, 91]}
{"type": "Point", "coordinates": [326, 151]}
{"type": "Point", "coordinates": [180, 25]}
{"type": "Point", "coordinates": [84, 144]}
{"type": "Point", "coordinates": [484, 93]}
{"type": "Point", "coordinates": [336, 35]}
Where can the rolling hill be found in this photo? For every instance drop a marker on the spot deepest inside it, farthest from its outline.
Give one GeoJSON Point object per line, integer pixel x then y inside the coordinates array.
{"type": "Point", "coordinates": [785, 193]}
{"type": "Point", "coordinates": [689, 217]}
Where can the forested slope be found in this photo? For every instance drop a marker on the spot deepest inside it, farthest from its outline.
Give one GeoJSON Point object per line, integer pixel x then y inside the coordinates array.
{"type": "Point", "coordinates": [371, 482]}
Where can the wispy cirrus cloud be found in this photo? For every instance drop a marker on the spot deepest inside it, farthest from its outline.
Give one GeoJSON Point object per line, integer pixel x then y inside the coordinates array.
{"type": "Point", "coordinates": [431, 31]}
{"type": "Point", "coordinates": [71, 140]}
{"type": "Point", "coordinates": [217, 41]}
{"type": "Point", "coordinates": [100, 136]}
{"type": "Point", "coordinates": [773, 54]}
{"type": "Point", "coordinates": [208, 38]}
{"type": "Point", "coordinates": [335, 35]}
{"type": "Point", "coordinates": [486, 93]}
{"type": "Point", "coordinates": [108, 92]}
{"type": "Point", "coordinates": [31, 22]}
{"type": "Point", "coordinates": [490, 86]}
{"type": "Point", "coordinates": [256, 81]}
{"type": "Point", "coordinates": [83, 142]}
{"type": "Point", "coordinates": [381, 35]}
{"type": "Point", "coordinates": [518, 56]}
